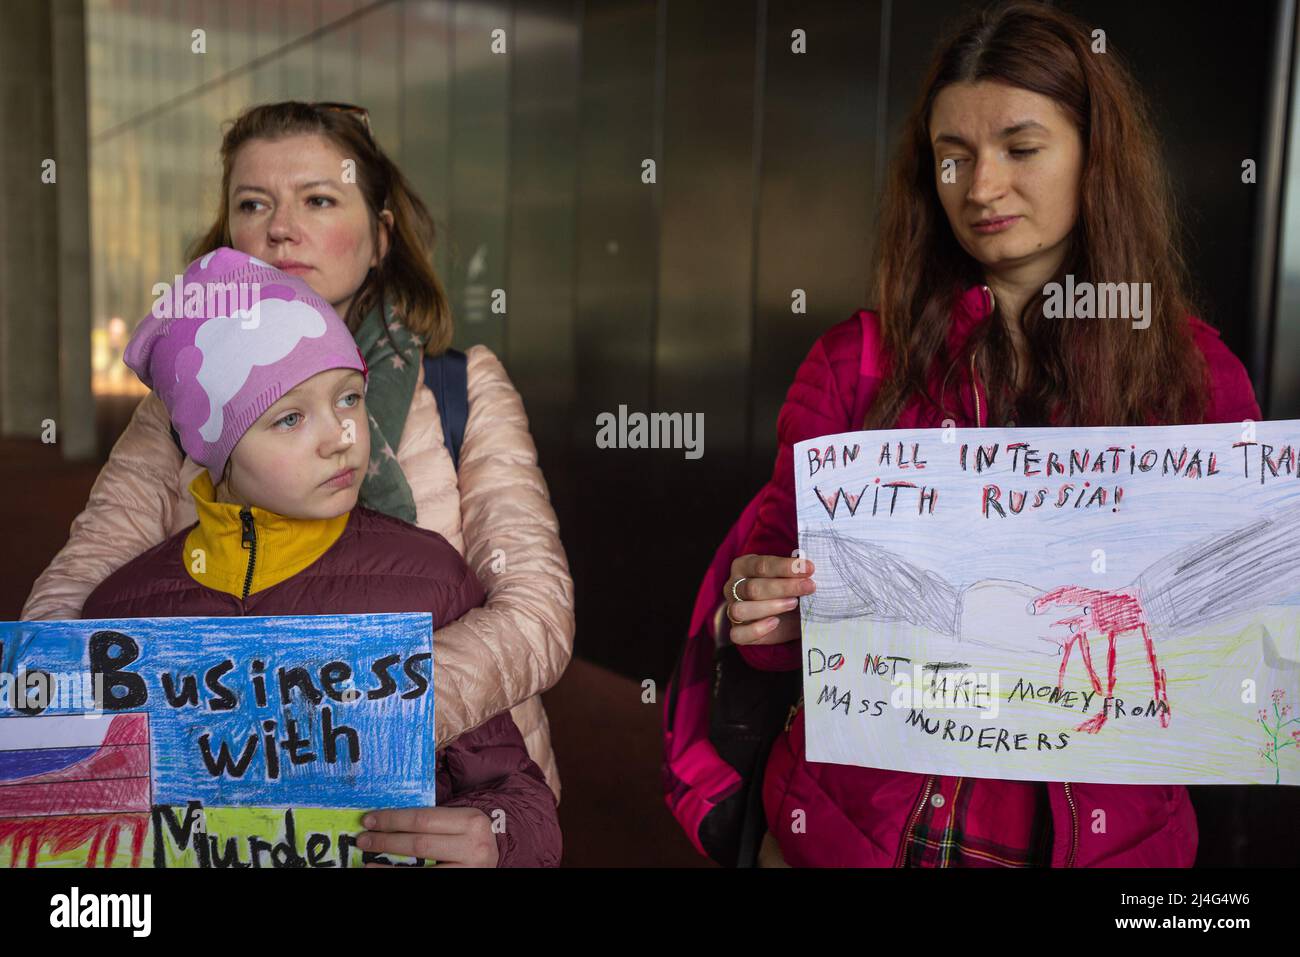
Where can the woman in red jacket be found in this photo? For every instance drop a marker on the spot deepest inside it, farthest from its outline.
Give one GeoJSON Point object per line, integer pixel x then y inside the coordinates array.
{"type": "Point", "coordinates": [1029, 158]}
{"type": "Point", "coordinates": [271, 400]}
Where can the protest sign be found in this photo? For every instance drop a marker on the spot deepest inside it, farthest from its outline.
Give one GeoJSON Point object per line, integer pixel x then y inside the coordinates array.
{"type": "Point", "coordinates": [1110, 605]}
{"type": "Point", "coordinates": [210, 742]}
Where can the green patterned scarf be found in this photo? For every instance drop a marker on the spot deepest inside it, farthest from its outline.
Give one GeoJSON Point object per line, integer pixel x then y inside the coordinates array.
{"type": "Point", "coordinates": [394, 354]}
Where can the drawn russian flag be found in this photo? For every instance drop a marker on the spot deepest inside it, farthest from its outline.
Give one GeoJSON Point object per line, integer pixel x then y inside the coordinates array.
{"type": "Point", "coordinates": [66, 764]}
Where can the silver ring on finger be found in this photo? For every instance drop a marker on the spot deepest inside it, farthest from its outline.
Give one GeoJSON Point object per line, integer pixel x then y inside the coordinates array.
{"type": "Point", "coordinates": [735, 585]}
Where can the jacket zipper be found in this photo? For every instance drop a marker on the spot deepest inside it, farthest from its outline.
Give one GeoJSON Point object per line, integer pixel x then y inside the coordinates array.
{"type": "Point", "coordinates": [974, 387]}
{"type": "Point", "coordinates": [1074, 826]}
{"type": "Point", "coordinates": [1069, 795]}
{"type": "Point", "coordinates": [249, 541]}
{"type": "Point", "coordinates": [901, 860]}
{"type": "Point", "coordinates": [794, 710]}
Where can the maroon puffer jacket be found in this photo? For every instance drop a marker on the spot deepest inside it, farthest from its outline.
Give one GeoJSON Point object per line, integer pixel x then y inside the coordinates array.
{"type": "Point", "coordinates": [377, 564]}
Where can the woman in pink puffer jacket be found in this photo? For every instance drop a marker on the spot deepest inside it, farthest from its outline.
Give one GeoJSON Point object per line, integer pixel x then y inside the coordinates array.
{"type": "Point", "coordinates": [1028, 159]}
{"type": "Point", "coordinates": [364, 244]}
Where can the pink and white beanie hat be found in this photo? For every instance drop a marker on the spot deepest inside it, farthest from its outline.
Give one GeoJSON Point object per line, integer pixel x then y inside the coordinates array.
{"type": "Point", "coordinates": [243, 335]}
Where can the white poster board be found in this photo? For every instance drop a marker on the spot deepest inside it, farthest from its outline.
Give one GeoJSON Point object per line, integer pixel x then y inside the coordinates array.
{"type": "Point", "coordinates": [1111, 605]}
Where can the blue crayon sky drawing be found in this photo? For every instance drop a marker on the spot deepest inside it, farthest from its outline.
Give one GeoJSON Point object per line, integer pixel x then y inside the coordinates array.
{"type": "Point", "coordinates": [313, 711]}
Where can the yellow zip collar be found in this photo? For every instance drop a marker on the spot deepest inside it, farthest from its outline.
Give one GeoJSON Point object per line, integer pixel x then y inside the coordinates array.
{"type": "Point", "coordinates": [216, 557]}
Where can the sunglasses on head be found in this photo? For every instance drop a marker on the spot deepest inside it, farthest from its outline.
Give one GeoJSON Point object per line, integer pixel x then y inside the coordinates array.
{"type": "Point", "coordinates": [360, 112]}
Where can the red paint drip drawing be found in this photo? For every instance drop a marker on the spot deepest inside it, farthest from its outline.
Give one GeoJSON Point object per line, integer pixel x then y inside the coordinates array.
{"type": "Point", "coordinates": [1107, 614]}
{"type": "Point", "coordinates": [99, 834]}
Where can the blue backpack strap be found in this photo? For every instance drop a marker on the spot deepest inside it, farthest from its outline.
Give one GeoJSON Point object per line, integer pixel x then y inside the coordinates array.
{"type": "Point", "coordinates": [447, 378]}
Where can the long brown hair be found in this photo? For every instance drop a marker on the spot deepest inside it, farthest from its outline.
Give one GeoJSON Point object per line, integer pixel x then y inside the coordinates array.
{"type": "Point", "coordinates": [405, 277]}
{"type": "Point", "coordinates": [1086, 372]}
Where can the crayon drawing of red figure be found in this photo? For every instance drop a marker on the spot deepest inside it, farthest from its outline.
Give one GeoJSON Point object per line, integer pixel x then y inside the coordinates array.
{"type": "Point", "coordinates": [69, 782]}
{"type": "Point", "coordinates": [1109, 614]}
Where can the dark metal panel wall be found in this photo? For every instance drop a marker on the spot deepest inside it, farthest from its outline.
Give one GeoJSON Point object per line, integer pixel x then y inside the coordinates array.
{"type": "Point", "coordinates": [1206, 75]}
{"type": "Point", "coordinates": [480, 149]}
{"type": "Point", "coordinates": [426, 114]}
{"type": "Point", "coordinates": [29, 388]}
{"type": "Point", "coordinates": [76, 406]}
{"type": "Point", "coordinates": [608, 519]}
{"type": "Point", "coordinates": [540, 325]}
{"type": "Point", "coordinates": [815, 194]}
{"type": "Point", "coordinates": [914, 33]}
{"type": "Point", "coordinates": [1270, 207]}
{"type": "Point", "coordinates": [1286, 339]}
{"type": "Point", "coordinates": [707, 184]}
{"type": "Point", "coordinates": [333, 70]}
{"type": "Point", "coordinates": [302, 67]}
{"type": "Point", "coordinates": [267, 27]}
{"type": "Point", "coordinates": [378, 42]}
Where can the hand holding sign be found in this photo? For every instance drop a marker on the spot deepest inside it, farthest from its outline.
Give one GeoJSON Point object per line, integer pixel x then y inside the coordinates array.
{"type": "Point", "coordinates": [769, 588]}
{"type": "Point", "coordinates": [452, 836]}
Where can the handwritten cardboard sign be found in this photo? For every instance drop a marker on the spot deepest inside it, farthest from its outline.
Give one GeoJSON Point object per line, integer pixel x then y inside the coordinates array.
{"type": "Point", "coordinates": [1117, 605]}
{"type": "Point", "coordinates": [210, 742]}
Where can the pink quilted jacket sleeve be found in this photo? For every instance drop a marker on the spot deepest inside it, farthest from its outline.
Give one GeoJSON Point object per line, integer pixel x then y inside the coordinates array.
{"type": "Point", "coordinates": [131, 508]}
{"type": "Point", "coordinates": [519, 643]}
